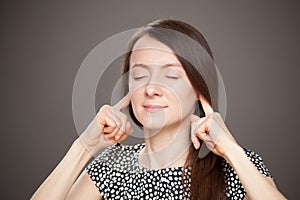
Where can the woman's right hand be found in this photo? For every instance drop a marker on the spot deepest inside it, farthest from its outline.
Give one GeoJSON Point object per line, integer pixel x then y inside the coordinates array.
{"type": "Point", "coordinates": [108, 127]}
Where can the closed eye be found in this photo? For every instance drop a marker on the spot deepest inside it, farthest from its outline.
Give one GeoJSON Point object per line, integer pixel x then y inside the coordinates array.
{"type": "Point", "coordinates": [172, 77]}
{"type": "Point", "coordinates": [139, 77]}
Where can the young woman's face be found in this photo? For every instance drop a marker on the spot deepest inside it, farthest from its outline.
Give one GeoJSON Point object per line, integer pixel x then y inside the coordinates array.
{"type": "Point", "coordinates": [162, 93]}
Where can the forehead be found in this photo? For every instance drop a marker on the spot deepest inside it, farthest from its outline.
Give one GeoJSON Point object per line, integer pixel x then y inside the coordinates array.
{"type": "Point", "coordinates": [149, 42]}
{"type": "Point", "coordinates": [151, 51]}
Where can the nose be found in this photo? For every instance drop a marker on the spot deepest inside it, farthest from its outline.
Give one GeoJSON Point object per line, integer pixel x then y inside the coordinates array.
{"type": "Point", "coordinates": [153, 89]}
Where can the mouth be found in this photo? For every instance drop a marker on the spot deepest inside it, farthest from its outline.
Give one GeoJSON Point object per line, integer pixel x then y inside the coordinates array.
{"type": "Point", "coordinates": [154, 108]}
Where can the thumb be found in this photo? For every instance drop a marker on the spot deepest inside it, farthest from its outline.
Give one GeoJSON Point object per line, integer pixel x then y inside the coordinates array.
{"type": "Point", "coordinates": [194, 124]}
{"type": "Point", "coordinates": [204, 150]}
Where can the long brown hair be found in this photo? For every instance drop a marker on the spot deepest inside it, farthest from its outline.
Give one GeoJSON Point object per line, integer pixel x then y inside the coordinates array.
{"type": "Point", "coordinates": [207, 175]}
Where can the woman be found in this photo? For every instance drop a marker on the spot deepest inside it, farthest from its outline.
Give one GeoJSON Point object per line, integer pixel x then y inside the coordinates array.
{"type": "Point", "coordinates": [165, 86]}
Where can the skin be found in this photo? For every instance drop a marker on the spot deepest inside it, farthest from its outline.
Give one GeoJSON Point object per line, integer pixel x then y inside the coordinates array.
{"type": "Point", "coordinates": [156, 99]}
{"type": "Point", "coordinates": [158, 80]}
{"type": "Point", "coordinates": [163, 100]}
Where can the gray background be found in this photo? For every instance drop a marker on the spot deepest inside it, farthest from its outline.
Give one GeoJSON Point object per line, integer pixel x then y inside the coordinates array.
{"type": "Point", "coordinates": [42, 44]}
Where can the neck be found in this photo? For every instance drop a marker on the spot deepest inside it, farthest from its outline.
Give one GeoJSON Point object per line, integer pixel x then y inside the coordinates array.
{"type": "Point", "coordinates": [168, 147]}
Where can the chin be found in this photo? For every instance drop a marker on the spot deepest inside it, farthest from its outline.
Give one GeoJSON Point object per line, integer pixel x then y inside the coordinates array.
{"type": "Point", "coordinates": [159, 124]}
{"type": "Point", "coordinates": [153, 124]}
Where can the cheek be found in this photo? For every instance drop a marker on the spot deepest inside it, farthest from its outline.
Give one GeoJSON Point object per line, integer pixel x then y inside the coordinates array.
{"type": "Point", "coordinates": [135, 86]}
{"type": "Point", "coordinates": [184, 92]}
{"type": "Point", "coordinates": [134, 102]}
{"type": "Point", "coordinates": [137, 97]}
{"type": "Point", "coordinates": [184, 97]}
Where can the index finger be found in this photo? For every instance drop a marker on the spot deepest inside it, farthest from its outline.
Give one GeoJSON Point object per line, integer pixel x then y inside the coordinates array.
{"type": "Point", "coordinates": [124, 102]}
{"type": "Point", "coordinates": [205, 105]}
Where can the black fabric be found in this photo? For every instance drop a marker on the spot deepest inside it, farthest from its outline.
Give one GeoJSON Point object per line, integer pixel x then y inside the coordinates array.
{"type": "Point", "coordinates": [117, 175]}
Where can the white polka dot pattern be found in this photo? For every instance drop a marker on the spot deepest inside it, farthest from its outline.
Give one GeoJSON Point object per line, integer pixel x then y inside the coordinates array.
{"type": "Point", "coordinates": [117, 175]}
{"type": "Point", "coordinates": [234, 188]}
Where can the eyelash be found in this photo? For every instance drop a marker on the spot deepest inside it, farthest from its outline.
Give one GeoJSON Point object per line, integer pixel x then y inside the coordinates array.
{"type": "Point", "coordinates": [172, 77]}
{"type": "Point", "coordinates": [138, 78]}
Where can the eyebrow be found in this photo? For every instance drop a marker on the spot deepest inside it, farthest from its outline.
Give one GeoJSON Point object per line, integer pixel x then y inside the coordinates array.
{"type": "Point", "coordinates": [164, 66]}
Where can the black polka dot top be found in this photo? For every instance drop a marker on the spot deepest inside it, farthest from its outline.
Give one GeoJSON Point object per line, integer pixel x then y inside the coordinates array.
{"type": "Point", "coordinates": [117, 175]}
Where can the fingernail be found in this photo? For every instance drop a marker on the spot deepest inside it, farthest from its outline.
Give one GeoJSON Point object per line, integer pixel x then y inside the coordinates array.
{"type": "Point", "coordinates": [117, 137]}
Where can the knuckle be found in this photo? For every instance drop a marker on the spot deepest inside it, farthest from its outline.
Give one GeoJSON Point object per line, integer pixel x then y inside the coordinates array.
{"type": "Point", "coordinates": [216, 114]}
{"type": "Point", "coordinates": [118, 124]}
{"type": "Point", "coordinates": [209, 115]}
{"type": "Point", "coordinates": [115, 112]}
{"type": "Point", "coordinates": [101, 115]}
{"type": "Point", "coordinates": [99, 118]}
{"type": "Point", "coordinates": [105, 107]}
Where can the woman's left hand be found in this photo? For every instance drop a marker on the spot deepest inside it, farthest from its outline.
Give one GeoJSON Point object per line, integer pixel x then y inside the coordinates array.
{"type": "Point", "coordinates": [212, 130]}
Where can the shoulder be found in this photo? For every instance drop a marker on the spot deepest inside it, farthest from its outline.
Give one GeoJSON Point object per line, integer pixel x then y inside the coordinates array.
{"type": "Point", "coordinates": [234, 187]}
{"type": "Point", "coordinates": [119, 150]}
{"type": "Point", "coordinates": [116, 156]}
{"type": "Point", "coordinates": [112, 164]}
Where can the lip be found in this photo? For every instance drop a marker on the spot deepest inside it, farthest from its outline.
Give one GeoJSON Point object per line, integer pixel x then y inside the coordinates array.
{"type": "Point", "coordinates": [154, 107]}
